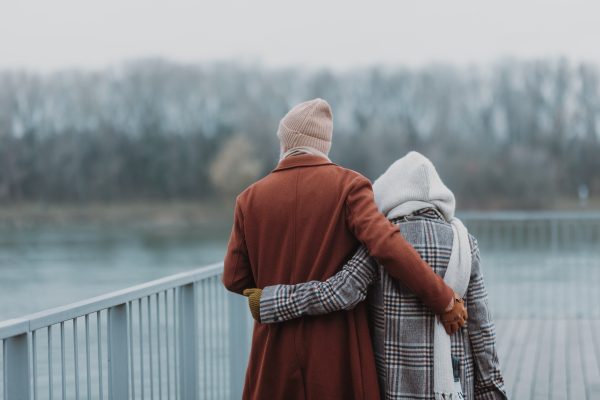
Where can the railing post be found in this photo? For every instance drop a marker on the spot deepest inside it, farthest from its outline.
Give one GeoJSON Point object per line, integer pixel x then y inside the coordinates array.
{"type": "Point", "coordinates": [118, 351]}
{"type": "Point", "coordinates": [16, 368]}
{"type": "Point", "coordinates": [554, 234]}
{"type": "Point", "coordinates": [188, 342]}
{"type": "Point", "coordinates": [239, 350]}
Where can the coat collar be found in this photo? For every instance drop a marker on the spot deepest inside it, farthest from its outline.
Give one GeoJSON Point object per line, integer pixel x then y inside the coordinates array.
{"type": "Point", "coordinates": [302, 161]}
{"type": "Point", "coordinates": [427, 213]}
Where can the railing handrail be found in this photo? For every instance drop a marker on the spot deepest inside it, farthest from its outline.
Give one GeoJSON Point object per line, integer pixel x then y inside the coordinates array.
{"type": "Point", "coordinates": [13, 327]}
{"type": "Point", "coordinates": [527, 215]}
{"type": "Point", "coordinates": [32, 322]}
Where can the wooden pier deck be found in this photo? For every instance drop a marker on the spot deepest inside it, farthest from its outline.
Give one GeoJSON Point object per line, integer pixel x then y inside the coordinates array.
{"type": "Point", "coordinates": [550, 359]}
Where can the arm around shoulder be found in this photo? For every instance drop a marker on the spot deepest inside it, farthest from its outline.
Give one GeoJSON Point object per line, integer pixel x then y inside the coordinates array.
{"type": "Point", "coordinates": [386, 244]}
{"type": "Point", "coordinates": [343, 291]}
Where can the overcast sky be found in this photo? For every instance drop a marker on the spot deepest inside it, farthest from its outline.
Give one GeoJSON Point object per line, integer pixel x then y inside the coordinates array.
{"type": "Point", "coordinates": [48, 35]}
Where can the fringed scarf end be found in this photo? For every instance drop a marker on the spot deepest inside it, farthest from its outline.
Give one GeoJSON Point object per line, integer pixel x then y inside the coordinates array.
{"type": "Point", "coordinates": [446, 396]}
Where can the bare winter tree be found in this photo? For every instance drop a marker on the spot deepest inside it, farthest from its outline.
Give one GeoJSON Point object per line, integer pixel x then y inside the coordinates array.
{"type": "Point", "coordinates": [514, 135]}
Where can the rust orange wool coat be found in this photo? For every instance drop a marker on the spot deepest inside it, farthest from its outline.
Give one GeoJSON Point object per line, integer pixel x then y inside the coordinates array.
{"type": "Point", "coordinates": [310, 216]}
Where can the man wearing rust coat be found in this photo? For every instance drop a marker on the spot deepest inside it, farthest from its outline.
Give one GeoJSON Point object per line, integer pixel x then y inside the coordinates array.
{"type": "Point", "coordinates": [311, 215]}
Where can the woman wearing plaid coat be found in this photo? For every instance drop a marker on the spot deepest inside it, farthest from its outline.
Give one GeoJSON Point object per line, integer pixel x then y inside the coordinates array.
{"type": "Point", "coordinates": [402, 330]}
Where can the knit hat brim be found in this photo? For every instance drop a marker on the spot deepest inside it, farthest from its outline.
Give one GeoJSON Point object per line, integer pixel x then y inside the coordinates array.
{"type": "Point", "coordinates": [291, 139]}
{"type": "Point", "coordinates": [308, 124]}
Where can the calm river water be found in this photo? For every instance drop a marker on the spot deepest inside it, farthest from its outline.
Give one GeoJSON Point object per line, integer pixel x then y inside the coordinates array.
{"type": "Point", "coordinates": [46, 267]}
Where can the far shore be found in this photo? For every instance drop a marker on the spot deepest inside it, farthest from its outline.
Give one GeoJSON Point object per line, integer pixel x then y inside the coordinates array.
{"type": "Point", "coordinates": [176, 213]}
{"type": "Point", "coordinates": [213, 213]}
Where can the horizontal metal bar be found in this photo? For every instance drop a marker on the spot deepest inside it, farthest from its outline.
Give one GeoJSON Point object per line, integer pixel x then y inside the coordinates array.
{"type": "Point", "coordinates": [13, 327]}
{"type": "Point", "coordinates": [64, 313]}
{"type": "Point", "coordinates": [527, 215]}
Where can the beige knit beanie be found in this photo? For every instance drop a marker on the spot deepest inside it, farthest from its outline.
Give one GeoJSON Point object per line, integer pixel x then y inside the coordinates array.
{"type": "Point", "coordinates": [308, 124]}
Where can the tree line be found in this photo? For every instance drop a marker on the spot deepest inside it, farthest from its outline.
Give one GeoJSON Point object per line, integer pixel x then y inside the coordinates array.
{"type": "Point", "coordinates": [516, 134]}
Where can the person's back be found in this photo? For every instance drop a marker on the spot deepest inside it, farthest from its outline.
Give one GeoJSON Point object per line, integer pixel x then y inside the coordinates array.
{"type": "Point", "coordinates": [303, 222]}
{"type": "Point", "coordinates": [305, 228]}
{"type": "Point", "coordinates": [410, 347]}
{"type": "Point", "coordinates": [395, 308]}
{"type": "Point", "coordinates": [304, 194]}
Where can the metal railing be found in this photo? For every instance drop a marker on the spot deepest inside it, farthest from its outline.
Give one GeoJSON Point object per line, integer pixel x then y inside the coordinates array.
{"type": "Point", "coordinates": [534, 230]}
{"type": "Point", "coordinates": [181, 337]}
{"type": "Point", "coordinates": [539, 264]}
{"type": "Point", "coordinates": [185, 337]}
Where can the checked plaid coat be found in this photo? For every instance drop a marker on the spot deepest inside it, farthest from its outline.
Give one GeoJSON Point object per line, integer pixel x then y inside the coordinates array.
{"type": "Point", "coordinates": [402, 326]}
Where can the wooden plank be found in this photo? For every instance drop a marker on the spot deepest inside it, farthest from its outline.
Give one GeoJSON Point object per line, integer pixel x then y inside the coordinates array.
{"type": "Point", "coordinates": [500, 325]}
{"type": "Point", "coordinates": [550, 359]}
{"type": "Point", "coordinates": [595, 325]}
{"type": "Point", "coordinates": [541, 384]}
{"type": "Point", "coordinates": [591, 371]}
{"type": "Point", "coordinates": [576, 384]}
{"type": "Point", "coordinates": [504, 342]}
{"type": "Point", "coordinates": [514, 355]}
{"type": "Point", "coordinates": [558, 380]}
{"type": "Point", "coordinates": [525, 376]}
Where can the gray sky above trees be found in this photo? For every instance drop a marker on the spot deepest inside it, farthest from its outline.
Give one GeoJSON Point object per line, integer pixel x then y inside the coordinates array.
{"type": "Point", "coordinates": [48, 35]}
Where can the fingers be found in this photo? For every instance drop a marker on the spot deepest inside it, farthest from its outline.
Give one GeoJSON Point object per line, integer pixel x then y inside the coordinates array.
{"type": "Point", "coordinates": [455, 328]}
{"type": "Point", "coordinates": [454, 325]}
{"type": "Point", "coordinates": [456, 318]}
{"type": "Point", "coordinates": [451, 328]}
{"type": "Point", "coordinates": [448, 329]}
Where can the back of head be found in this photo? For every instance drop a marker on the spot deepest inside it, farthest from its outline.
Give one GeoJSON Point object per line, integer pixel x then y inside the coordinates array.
{"type": "Point", "coordinates": [412, 183]}
{"type": "Point", "coordinates": [309, 124]}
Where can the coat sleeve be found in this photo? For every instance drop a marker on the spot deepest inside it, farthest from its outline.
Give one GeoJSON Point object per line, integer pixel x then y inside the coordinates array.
{"type": "Point", "coordinates": [482, 333]}
{"type": "Point", "coordinates": [384, 242]}
{"type": "Point", "coordinates": [343, 291]}
{"type": "Point", "coordinates": [237, 273]}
